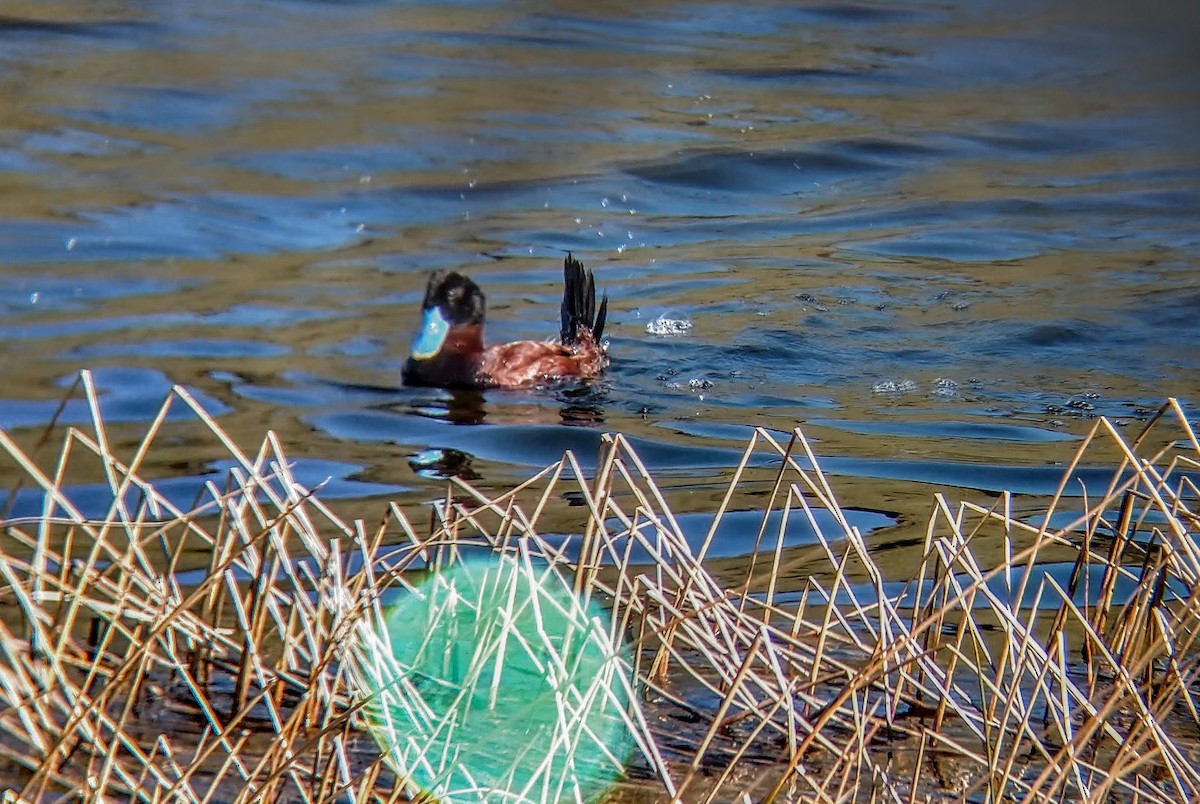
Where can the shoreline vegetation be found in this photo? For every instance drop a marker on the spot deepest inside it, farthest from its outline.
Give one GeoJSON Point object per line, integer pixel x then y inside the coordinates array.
{"type": "Point", "coordinates": [1026, 658]}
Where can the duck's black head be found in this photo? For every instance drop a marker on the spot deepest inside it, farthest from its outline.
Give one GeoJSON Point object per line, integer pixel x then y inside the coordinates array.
{"type": "Point", "coordinates": [451, 300]}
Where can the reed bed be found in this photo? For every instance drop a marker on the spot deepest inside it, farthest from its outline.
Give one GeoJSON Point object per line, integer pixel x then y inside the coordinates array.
{"type": "Point", "coordinates": [237, 649]}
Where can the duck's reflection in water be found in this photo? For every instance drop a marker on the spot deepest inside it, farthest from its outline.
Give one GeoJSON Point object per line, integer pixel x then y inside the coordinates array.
{"type": "Point", "coordinates": [452, 407]}
{"type": "Point", "coordinates": [443, 463]}
{"type": "Point", "coordinates": [577, 406]}
{"type": "Point", "coordinates": [582, 405]}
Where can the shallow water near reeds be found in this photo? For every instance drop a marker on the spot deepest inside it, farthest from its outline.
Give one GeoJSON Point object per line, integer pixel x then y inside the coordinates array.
{"type": "Point", "coordinates": [941, 237]}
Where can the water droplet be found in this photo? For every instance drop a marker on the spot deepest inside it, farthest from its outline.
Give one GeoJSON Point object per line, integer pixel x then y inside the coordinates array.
{"type": "Point", "coordinates": [668, 326]}
{"type": "Point", "coordinates": [894, 387]}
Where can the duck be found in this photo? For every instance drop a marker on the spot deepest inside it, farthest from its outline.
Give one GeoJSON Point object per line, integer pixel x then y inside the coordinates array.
{"type": "Point", "coordinates": [449, 351]}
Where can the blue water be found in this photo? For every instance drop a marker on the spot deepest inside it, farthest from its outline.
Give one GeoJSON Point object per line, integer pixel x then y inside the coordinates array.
{"type": "Point", "coordinates": [941, 237]}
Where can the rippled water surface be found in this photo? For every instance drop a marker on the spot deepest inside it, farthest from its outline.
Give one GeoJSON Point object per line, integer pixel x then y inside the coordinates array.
{"type": "Point", "coordinates": [940, 236]}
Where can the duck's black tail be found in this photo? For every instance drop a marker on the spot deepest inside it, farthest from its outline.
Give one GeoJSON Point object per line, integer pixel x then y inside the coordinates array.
{"type": "Point", "coordinates": [579, 311]}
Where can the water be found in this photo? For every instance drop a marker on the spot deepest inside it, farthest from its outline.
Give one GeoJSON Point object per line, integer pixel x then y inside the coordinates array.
{"type": "Point", "coordinates": [940, 236]}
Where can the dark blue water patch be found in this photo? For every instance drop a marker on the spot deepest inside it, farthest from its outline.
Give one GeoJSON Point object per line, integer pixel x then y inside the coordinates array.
{"type": "Point", "coordinates": [125, 395]}
{"type": "Point", "coordinates": [682, 364]}
{"type": "Point", "coordinates": [529, 445]}
{"type": "Point", "coordinates": [409, 299]}
{"type": "Point", "coordinates": [25, 242]}
{"type": "Point", "coordinates": [496, 42]}
{"type": "Point", "coordinates": [1056, 406]}
{"type": "Point", "coordinates": [362, 346]}
{"type": "Point", "coordinates": [18, 161]}
{"type": "Point", "coordinates": [537, 445]}
{"type": "Point", "coordinates": [510, 136]}
{"type": "Point", "coordinates": [747, 26]}
{"type": "Point", "coordinates": [666, 291]}
{"type": "Point", "coordinates": [188, 492]}
{"type": "Point", "coordinates": [409, 262]}
{"type": "Point", "coordinates": [651, 34]}
{"type": "Point", "coordinates": [72, 141]}
{"type": "Point", "coordinates": [994, 246]}
{"type": "Point", "coordinates": [416, 71]}
{"type": "Point", "coordinates": [1147, 519]}
{"type": "Point", "coordinates": [199, 227]}
{"type": "Point", "coordinates": [1042, 340]}
{"type": "Point", "coordinates": [360, 163]}
{"type": "Point", "coordinates": [35, 330]}
{"type": "Point", "coordinates": [305, 390]}
{"type": "Point", "coordinates": [917, 229]}
{"type": "Point", "coordinates": [1038, 590]}
{"type": "Point", "coordinates": [791, 352]}
{"type": "Point", "coordinates": [1104, 219]}
{"type": "Point", "coordinates": [863, 14]}
{"type": "Point", "coordinates": [1041, 350]}
{"type": "Point", "coordinates": [1060, 334]}
{"type": "Point", "coordinates": [190, 348]}
{"type": "Point", "coordinates": [250, 315]}
{"type": "Point", "coordinates": [285, 397]}
{"type": "Point", "coordinates": [1037, 480]}
{"type": "Point", "coordinates": [1004, 64]}
{"type": "Point", "coordinates": [431, 203]}
{"type": "Point", "coordinates": [796, 75]}
{"type": "Point", "coordinates": [736, 534]}
{"type": "Point", "coordinates": [1173, 311]}
{"type": "Point", "coordinates": [1123, 219]}
{"type": "Point", "coordinates": [1166, 188]}
{"type": "Point", "coordinates": [982, 431]}
{"type": "Point", "coordinates": [666, 271]}
{"type": "Point", "coordinates": [729, 395]}
{"type": "Point", "coordinates": [977, 244]}
{"type": "Point", "coordinates": [23, 293]}
{"type": "Point", "coordinates": [892, 151]}
{"type": "Point", "coordinates": [17, 27]}
{"type": "Point", "coordinates": [765, 173]}
{"type": "Point", "coordinates": [1030, 139]}
{"type": "Point", "coordinates": [223, 223]}
{"type": "Point", "coordinates": [268, 317]}
{"type": "Point", "coordinates": [336, 9]}
{"type": "Point", "coordinates": [162, 109]}
{"type": "Point", "coordinates": [720, 431]}
{"type": "Point", "coordinates": [820, 352]}
{"type": "Point", "coordinates": [717, 431]}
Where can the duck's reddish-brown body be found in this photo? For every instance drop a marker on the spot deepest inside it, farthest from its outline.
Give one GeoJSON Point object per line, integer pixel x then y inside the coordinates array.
{"type": "Point", "coordinates": [449, 352]}
{"type": "Point", "coordinates": [532, 362]}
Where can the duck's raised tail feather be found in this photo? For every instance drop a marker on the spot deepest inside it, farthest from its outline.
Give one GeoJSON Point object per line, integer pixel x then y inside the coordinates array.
{"type": "Point", "coordinates": [579, 311]}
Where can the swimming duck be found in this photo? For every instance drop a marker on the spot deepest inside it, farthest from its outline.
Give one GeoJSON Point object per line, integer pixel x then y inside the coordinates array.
{"type": "Point", "coordinates": [448, 351]}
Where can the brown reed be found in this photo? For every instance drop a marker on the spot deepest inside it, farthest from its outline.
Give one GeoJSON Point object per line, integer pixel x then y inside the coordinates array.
{"type": "Point", "coordinates": [123, 675]}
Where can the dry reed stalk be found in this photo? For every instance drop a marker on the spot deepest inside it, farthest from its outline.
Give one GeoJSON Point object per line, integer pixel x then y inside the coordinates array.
{"type": "Point", "coordinates": [1002, 681]}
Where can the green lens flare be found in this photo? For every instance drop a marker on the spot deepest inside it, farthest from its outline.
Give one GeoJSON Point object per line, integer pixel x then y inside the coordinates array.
{"type": "Point", "coordinates": [502, 686]}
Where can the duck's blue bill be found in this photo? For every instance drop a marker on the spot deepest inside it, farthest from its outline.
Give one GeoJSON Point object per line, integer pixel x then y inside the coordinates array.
{"type": "Point", "coordinates": [432, 335]}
